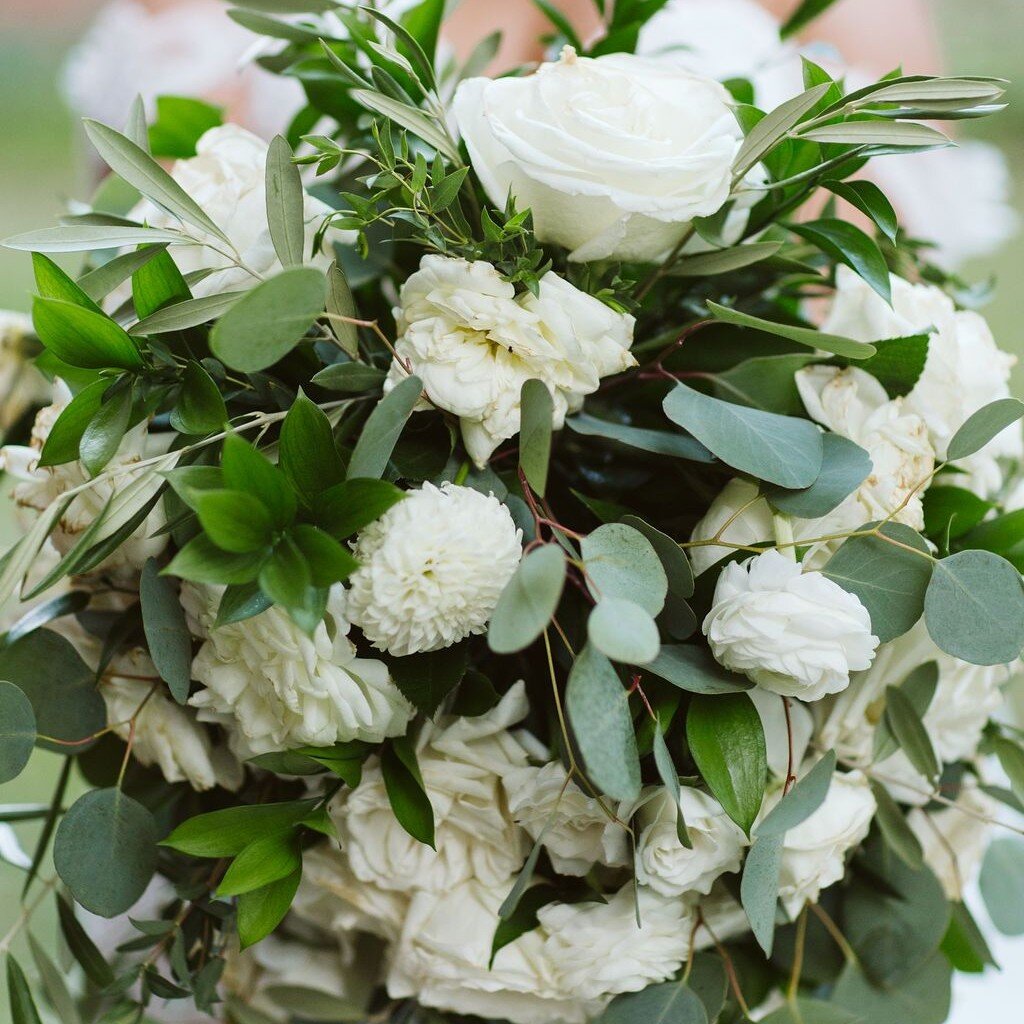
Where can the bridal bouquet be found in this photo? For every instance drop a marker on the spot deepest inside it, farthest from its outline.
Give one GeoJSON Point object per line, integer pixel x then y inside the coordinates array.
{"type": "Point", "coordinates": [539, 549]}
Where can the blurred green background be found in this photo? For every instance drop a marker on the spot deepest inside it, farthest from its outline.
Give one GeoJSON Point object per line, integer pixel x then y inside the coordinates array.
{"type": "Point", "coordinates": [42, 164]}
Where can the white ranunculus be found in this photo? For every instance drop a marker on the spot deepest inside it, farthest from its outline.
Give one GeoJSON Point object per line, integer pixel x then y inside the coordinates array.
{"type": "Point", "coordinates": [615, 155]}
{"type": "Point", "coordinates": [795, 633]}
{"type": "Point", "coordinates": [598, 950]}
{"type": "Point", "coordinates": [227, 178]}
{"type": "Point", "coordinates": [668, 867]}
{"type": "Point", "coordinates": [964, 371]}
{"type": "Point", "coordinates": [275, 687]}
{"type": "Point", "coordinates": [474, 343]}
{"type": "Point", "coordinates": [463, 762]}
{"type": "Point", "coordinates": [813, 853]}
{"type": "Point", "coordinates": [577, 832]}
{"type": "Point", "coordinates": [965, 698]}
{"type": "Point", "coordinates": [786, 743]}
{"type": "Point", "coordinates": [954, 840]}
{"type": "Point", "coordinates": [21, 384]}
{"type": "Point", "coordinates": [38, 486]}
{"type": "Point", "coordinates": [432, 569]}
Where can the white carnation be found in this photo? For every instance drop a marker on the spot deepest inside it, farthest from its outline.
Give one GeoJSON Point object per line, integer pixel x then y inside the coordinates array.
{"type": "Point", "coordinates": [474, 343]}
{"type": "Point", "coordinates": [615, 155]}
{"type": "Point", "coordinates": [432, 569]}
{"type": "Point", "coordinates": [227, 178]}
{"type": "Point", "coordinates": [577, 832]}
{"type": "Point", "coordinates": [795, 633]}
{"type": "Point", "coordinates": [668, 867]}
{"type": "Point", "coordinates": [275, 687]}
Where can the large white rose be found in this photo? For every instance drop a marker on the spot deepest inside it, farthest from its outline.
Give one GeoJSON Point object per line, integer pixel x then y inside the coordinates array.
{"type": "Point", "coordinates": [432, 569]}
{"type": "Point", "coordinates": [275, 687]}
{"type": "Point", "coordinates": [668, 867]}
{"type": "Point", "coordinates": [577, 832]}
{"type": "Point", "coordinates": [463, 762]}
{"type": "Point", "coordinates": [474, 343]}
{"type": "Point", "coordinates": [795, 633]}
{"type": "Point", "coordinates": [39, 486]}
{"type": "Point", "coordinates": [615, 155]}
{"type": "Point", "coordinates": [964, 371]}
{"type": "Point", "coordinates": [227, 178]}
{"type": "Point", "coordinates": [813, 853]}
{"type": "Point", "coordinates": [965, 698]}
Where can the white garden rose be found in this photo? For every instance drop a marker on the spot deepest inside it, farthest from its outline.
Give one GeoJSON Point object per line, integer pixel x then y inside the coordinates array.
{"type": "Point", "coordinates": [474, 343]}
{"type": "Point", "coordinates": [668, 867]}
{"type": "Point", "coordinates": [964, 371]}
{"type": "Point", "coordinates": [615, 155]}
{"type": "Point", "coordinates": [38, 486]}
{"type": "Point", "coordinates": [599, 950]}
{"type": "Point", "coordinates": [462, 762]}
{"type": "Point", "coordinates": [576, 831]}
{"type": "Point", "coordinates": [813, 853]}
{"type": "Point", "coordinates": [432, 569]}
{"type": "Point", "coordinates": [792, 632]}
{"type": "Point", "coordinates": [274, 686]}
{"type": "Point", "coordinates": [21, 384]}
{"type": "Point", "coordinates": [227, 178]}
{"type": "Point", "coordinates": [954, 839]}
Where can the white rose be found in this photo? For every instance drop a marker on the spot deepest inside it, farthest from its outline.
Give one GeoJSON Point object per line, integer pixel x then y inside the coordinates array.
{"type": "Point", "coordinates": [275, 687]}
{"type": "Point", "coordinates": [599, 950]}
{"type": "Point", "coordinates": [954, 840]}
{"type": "Point", "coordinates": [965, 698]}
{"type": "Point", "coordinates": [786, 739]}
{"type": "Point", "coordinates": [722, 918]}
{"type": "Point", "coordinates": [668, 867]}
{"type": "Point", "coordinates": [474, 343]}
{"type": "Point", "coordinates": [795, 633]}
{"type": "Point", "coordinates": [21, 384]}
{"type": "Point", "coordinates": [227, 178]}
{"type": "Point", "coordinates": [813, 853]}
{"type": "Point", "coordinates": [39, 486]}
{"type": "Point", "coordinates": [964, 371]}
{"type": "Point", "coordinates": [432, 569]}
{"type": "Point", "coordinates": [615, 155]}
{"type": "Point", "coordinates": [463, 762]}
{"type": "Point", "coordinates": [577, 832]}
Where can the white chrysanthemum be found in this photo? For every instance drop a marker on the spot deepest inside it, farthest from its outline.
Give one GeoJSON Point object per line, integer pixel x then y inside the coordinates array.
{"type": "Point", "coordinates": [462, 762]}
{"type": "Point", "coordinates": [795, 633]}
{"type": "Point", "coordinates": [474, 343]}
{"type": "Point", "coordinates": [275, 687]}
{"type": "Point", "coordinates": [39, 486]}
{"type": "Point", "coordinates": [577, 832]}
{"type": "Point", "coordinates": [668, 867]}
{"type": "Point", "coordinates": [432, 569]}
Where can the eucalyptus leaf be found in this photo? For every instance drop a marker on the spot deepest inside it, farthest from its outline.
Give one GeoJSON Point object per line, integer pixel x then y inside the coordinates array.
{"type": "Point", "coordinates": [167, 634]}
{"type": "Point", "coordinates": [802, 800]}
{"type": "Point", "coordinates": [759, 888]}
{"type": "Point", "coordinates": [621, 562]}
{"type": "Point", "coordinates": [535, 433]}
{"type": "Point", "coordinates": [623, 631]}
{"type": "Point", "coordinates": [181, 316]}
{"type": "Point", "coordinates": [984, 425]}
{"type": "Point", "coordinates": [17, 731]}
{"type": "Point", "coordinates": [285, 203]}
{"type": "Point", "coordinates": [693, 668]}
{"type": "Point", "coordinates": [383, 428]}
{"type": "Point", "coordinates": [1002, 884]}
{"type": "Point", "coordinates": [529, 600]}
{"type": "Point", "coordinates": [671, 1002]}
{"type": "Point", "coordinates": [845, 466]}
{"type": "Point", "coordinates": [658, 442]}
{"type": "Point", "coordinates": [906, 726]}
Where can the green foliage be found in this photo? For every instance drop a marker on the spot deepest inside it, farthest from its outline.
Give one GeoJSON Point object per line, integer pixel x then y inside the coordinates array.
{"type": "Point", "coordinates": [180, 122]}
{"type": "Point", "coordinates": [535, 434]}
{"type": "Point", "coordinates": [529, 600]}
{"type": "Point", "coordinates": [17, 731]}
{"type": "Point", "coordinates": [620, 562]}
{"type": "Point", "coordinates": [406, 792]}
{"type": "Point", "coordinates": [623, 631]}
{"type": "Point", "coordinates": [383, 429]}
{"type": "Point", "coordinates": [759, 888]}
{"type": "Point", "coordinates": [670, 1003]}
{"type": "Point", "coordinates": [802, 800]}
{"type": "Point", "coordinates": [845, 466]}
{"type": "Point", "coordinates": [1002, 885]}
{"type": "Point", "coordinates": [167, 633]}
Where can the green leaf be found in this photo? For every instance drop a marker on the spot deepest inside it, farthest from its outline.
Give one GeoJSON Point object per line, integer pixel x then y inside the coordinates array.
{"type": "Point", "coordinates": [23, 1007]}
{"type": "Point", "coordinates": [1002, 885]}
{"type": "Point", "coordinates": [773, 127]}
{"type": "Point", "coordinates": [922, 998]}
{"type": "Point", "coordinates": [105, 851]}
{"type": "Point", "coordinates": [724, 261]}
{"type": "Point", "coordinates": [234, 520]}
{"type": "Point", "coordinates": [105, 431]}
{"type": "Point", "coordinates": [286, 579]}
{"type": "Point", "coordinates": [621, 562]}
{"type": "Point", "coordinates": [410, 118]}
{"type": "Point", "coordinates": [877, 133]}
{"type": "Point", "coordinates": [383, 428]}
{"type": "Point", "coordinates": [286, 202]}
{"type": "Point", "coordinates": [658, 442]}
{"type": "Point", "coordinates": [350, 378]}
{"type": "Point", "coordinates": [847, 243]}
{"type": "Point", "coordinates": [426, 679]}
{"type": "Point", "coordinates": [813, 339]}
{"type": "Point", "coordinates": [53, 283]}
{"type": "Point", "coordinates": [727, 741]}
{"type": "Point", "coordinates": [346, 508]}
{"type": "Point", "coordinates": [845, 466]}
{"type": "Point", "coordinates": [138, 168]}
{"type": "Point", "coordinates": [54, 985]}
{"type": "Point", "coordinates": [781, 450]}
{"type": "Point", "coordinates": [82, 948]}
{"type": "Point", "coordinates": [329, 562]}
{"type": "Point", "coordinates": [102, 280]}
{"type": "Point", "coordinates": [83, 338]}
{"type": "Point", "coordinates": [964, 944]}
{"type": "Point", "coordinates": [265, 324]}
{"type": "Point", "coordinates": [974, 608]}
{"type": "Point", "coordinates": [906, 726]}
{"type": "Point", "coordinates": [803, 15]}
{"type": "Point", "coordinates": [802, 800]}
{"type": "Point", "coordinates": [669, 775]}
{"type": "Point", "coordinates": [227, 832]}
{"type": "Point", "coordinates": [529, 600]}
{"type": "Point", "coordinates": [88, 237]}
{"type": "Point", "coordinates": [598, 707]}
{"type": "Point", "coordinates": [673, 559]}
{"type": "Point", "coordinates": [759, 888]}
{"type": "Point", "coordinates": [1002, 534]}
{"type": "Point", "coordinates": [1011, 757]}
{"type": "Point", "coordinates": [765, 382]}
{"type": "Point", "coordinates": [241, 601]}
{"type": "Point", "coordinates": [340, 304]}
{"type": "Point", "coordinates": [263, 861]}
{"type": "Point", "coordinates": [201, 561]}
{"type": "Point", "coordinates": [867, 197]}
{"type": "Point", "coordinates": [892, 823]}
{"type": "Point", "coordinates": [180, 123]}
{"type": "Point", "coordinates": [693, 669]}
{"type": "Point", "coordinates": [406, 792]}
{"type": "Point", "coordinates": [623, 631]}
{"type": "Point", "coordinates": [17, 731]}
{"type": "Point", "coordinates": [167, 634]}
{"type": "Point", "coordinates": [811, 1011]}
{"type": "Point", "coordinates": [668, 1003]}
{"type": "Point", "coordinates": [200, 409]}
{"type": "Point", "coordinates": [889, 581]}
{"type": "Point", "coordinates": [523, 919]}
{"type": "Point", "coordinates": [156, 284]}
{"type": "Point", "coordinates": [180, 316]}
{"type": "Point", "coordinates": [538, 411]}
{"type": "Point", "coordinates": [262, 910]}
{"type": "Point", "coordinates": [309, 457]}
{"type": "Point", "coordinates": [898, 363]}
{"type": "Point", "coordinates": [919, 687]}
{"type": "Point", "coordinates": [981, 427]}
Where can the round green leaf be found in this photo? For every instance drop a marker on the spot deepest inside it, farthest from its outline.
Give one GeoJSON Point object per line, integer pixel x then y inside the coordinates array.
{"type": "Point", "coordinates": [669, 1003]}
{"type": "Point", "coordinates": [983, 426]}
{"type": "Point", "coordinates": [1002, 885]}
{"type": "Point", "coordinates": [528, 601]}
{"type": "Point", "coordinates": [623, 631]}
{"type": "Point", "coordinates": [17, 731]}
{"type": "Point", "coordinates": [621, 562]}
{"type": "Point", "coordinates": [844, 468]}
